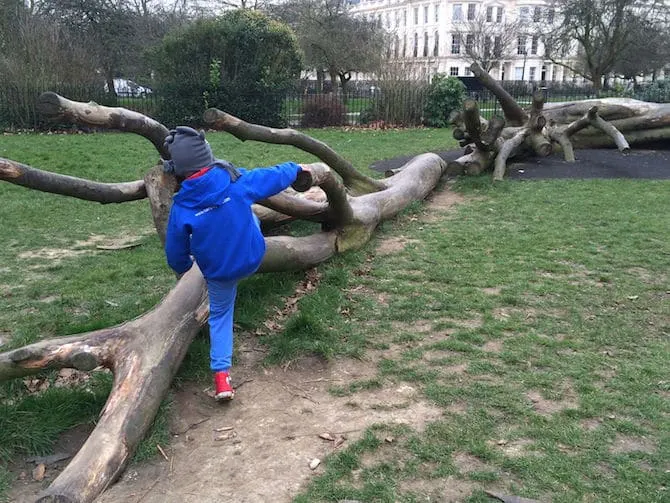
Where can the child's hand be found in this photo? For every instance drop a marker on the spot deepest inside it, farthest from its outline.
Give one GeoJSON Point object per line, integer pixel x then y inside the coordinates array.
{"type": "Point", "coordinates": [305, 167]}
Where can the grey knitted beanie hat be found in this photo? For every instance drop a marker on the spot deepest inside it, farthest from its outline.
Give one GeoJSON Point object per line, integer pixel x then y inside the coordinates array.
{"type": "Point", "coordinates": [189, 150]}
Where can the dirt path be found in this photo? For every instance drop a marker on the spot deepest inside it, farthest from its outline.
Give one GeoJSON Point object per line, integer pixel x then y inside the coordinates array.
{"type": "Point", "coordinates": [275, 420]}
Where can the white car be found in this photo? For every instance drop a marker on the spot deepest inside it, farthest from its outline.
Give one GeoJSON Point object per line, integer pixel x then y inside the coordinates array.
{"type": "Point", "coordinates": [128, 89]}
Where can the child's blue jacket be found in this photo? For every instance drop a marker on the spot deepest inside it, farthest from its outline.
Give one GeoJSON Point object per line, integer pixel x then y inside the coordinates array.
{"type": "Point", "coordinates": [211, 219]}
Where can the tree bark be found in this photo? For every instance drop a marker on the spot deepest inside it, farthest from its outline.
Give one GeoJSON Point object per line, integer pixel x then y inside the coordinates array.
{"type": "Point", "coordinates": [105, 193]}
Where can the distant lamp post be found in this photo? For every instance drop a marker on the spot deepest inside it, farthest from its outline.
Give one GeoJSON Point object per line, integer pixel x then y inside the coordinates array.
{"type": "Point", "coordinates": [523, 68]}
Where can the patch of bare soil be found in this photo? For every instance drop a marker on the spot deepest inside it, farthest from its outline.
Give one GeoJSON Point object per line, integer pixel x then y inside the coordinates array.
{"type": "Point", "coordinates": [449, 490]}
{"type": "Point", "coordinates": [468, 463]}
{"type": "Point", "coordinates": [267, 436]}
{"type": "Point", "coordinates": [513, 448]}
{"type": "Point", "coordinates": [623, 444]}
{"type": "Point", "coordinates": [94, 244]}
{"type": "Point", "coordinates": [394, 244]}
{"type": "Point", "coordinates": [547, 407]}
{"type": "Point", "coordinates": [444, 199]}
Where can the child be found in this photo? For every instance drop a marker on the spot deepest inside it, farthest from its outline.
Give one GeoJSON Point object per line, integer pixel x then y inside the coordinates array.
{"type": "Point", "coordinates": [211, 219]}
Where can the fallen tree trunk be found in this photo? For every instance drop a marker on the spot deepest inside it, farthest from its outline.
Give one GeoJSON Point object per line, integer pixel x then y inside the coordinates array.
{"type": "Point", "coordinates": [144, 354]}
{"type": "Point", "coordinates": [591, 123]}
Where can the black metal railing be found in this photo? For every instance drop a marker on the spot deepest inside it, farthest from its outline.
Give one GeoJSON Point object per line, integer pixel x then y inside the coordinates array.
{"type": "Point", "coordinates": [399, 103]}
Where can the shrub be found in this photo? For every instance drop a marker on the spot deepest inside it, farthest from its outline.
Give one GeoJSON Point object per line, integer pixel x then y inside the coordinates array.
{"type": "Point", "coordinates": [320, 110]}
{"type": "Point", "coordinates": [445, 94]}
{"type": "Point", "coordinates": [241, 62]}
{"type": "Point", "coordinates": [656, 92]}
{"type": "Point", "coordinates": [396, 102]}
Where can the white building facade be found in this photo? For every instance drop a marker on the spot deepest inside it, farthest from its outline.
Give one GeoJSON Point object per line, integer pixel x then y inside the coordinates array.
{"type": "Point", "coordinates": [430, 36]}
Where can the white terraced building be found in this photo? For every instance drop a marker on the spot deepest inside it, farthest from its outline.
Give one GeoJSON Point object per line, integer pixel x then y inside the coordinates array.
{"type": "Point", "coordinates": [430, 35]}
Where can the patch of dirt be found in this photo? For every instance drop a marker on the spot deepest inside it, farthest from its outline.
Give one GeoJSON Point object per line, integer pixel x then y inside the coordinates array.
{"type": "Point", "coordinates": [418, 326]}
{"type": "Point", "coordinates": [449, 490]}
{"type": "Point", "coordinates": [444, 199]}
{"type": "Point", "coordinates": [4, 338]}
{"type": "Point", "coordinates": [94, 244]}
{"type": "Point", "coordinates": [476, 322]}
{"type": "Point", "coordinates": [623, 444]}
{"type": "Point", "coordinates": [54, 253]}
{"type": "Point", "coordinates": [458, 407]}
{"type": "Point", "coordinates": [469, 463]}
{"type": "Point", "coordinates": [546, 407]}
{"type": "Point", "coordinates": [513, 448]}
{"type": "Point", "coordinates": [394, 244]}
{"type": "Point", "coordinates": [25, 488]}
{"type": "Point", "coordinates": [493, 346]}
{"type": "Point", "coordinates": [590, 424]}
{"type": "Point", "coordinates": [496, 290]}
{"type": "Point", "coordinates": [277, 416]}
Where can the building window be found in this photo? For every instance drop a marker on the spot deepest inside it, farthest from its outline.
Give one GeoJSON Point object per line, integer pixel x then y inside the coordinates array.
{"type": "Point", "coordinates": [550, 16]}
{"type": "Point", "coordinates": [499, 15]}
{"type": "Point", "coordinates": [533, 45]}
{"type": "Point", "coordinates": [537, 14]}
{"type": "Point", "coordinates": [457, 12]}
{"type": "Point", "coordinates": [487, 47]}
{"type": "Point", "coordinates": [489, 14]}
{"type": "Point", "coordinates": [497, 46]}
{"type": "Point", "coordinates": [404, 18]}
{"type": "Point", "coordinates": [521, 44]}
{"type": "Point", "coordinates": [415, 49]}
{"type": "Point", "coordinates": [404, 47]}
{"type": "Point", "coordinates": [471, 11]}
{"type": "Point", "coordinates": [425, 44]}
{"type": "Point", "coordinates": [396, 47]}
{"type": "Point", "coordinates": [453, 71]}
{"type": "Point", "coordinates": [416, 16]}
{"type": "Point", "coordinates": [531, 73]}
{"type": "Point", "coordinates": [469, 42]}
{"type": "Point", "coordinates": [437, 12]}
{"type": "Point", "coordinates": [524, 13]}
{"type": "Point", "coordinates": [554, 73]}
{"type": "Point", "coordinates": [425, 14]}
{"type": "Point", "coordinates": [518, 73]}
{"type": "Point", "coordinates": [436, 47]}
{"type": "Point", "coordinates": [455, 44]}
{"type": "Point", "coordinates": [387, 19]}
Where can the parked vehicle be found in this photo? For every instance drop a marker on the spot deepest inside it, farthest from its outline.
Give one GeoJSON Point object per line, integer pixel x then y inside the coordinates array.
{"type": "Point", "coordinates": [128, 89]}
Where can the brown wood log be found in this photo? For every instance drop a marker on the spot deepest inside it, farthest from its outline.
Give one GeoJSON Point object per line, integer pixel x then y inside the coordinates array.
{"type": "Point", "coordinates": [514, 114]}
{"type": "Point", "coordinates": [507, 149]}
{"type": "Point", "coordinates": [80, 188]}
{"type": "Point", "coordinates": [356, 182]}
{"type": "Point", "coordinates": [56, 107]}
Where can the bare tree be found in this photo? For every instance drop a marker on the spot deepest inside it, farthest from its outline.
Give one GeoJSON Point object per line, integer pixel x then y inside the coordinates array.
{"type": "Point", "coordinates": [487, 41]}
{"type": "Point", "coordinates": [333, 39]}
{"type": "Point", "coordinates": [598, 32]}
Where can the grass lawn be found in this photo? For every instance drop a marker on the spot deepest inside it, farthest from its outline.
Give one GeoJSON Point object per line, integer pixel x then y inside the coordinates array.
{"type": "Point", "coordinates": [535, 316]}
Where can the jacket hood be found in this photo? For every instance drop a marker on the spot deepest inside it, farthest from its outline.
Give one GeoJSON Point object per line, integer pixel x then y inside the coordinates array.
{"type": "Point", "coordinates": [204, 191]}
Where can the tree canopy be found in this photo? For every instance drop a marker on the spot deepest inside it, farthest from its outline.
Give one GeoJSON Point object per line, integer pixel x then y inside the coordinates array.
{"type": "Point", "coordinates": [332, 38]}
{"type": "Point", "coordinates": [242, 62]}
{"type": "Point", "coordinates": [600, 31]}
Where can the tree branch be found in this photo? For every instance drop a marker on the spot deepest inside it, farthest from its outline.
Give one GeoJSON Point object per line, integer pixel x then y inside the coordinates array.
{"type": "Point", "coordinates": [56, 107]}
{"type": "Point", "coordinates": [508, 147]}
{"type": "Point", "coordinates": [105, 193]}
{"type": "Point", "coordinates": [514, 114]}
{"type": "Point", "coordinates": [353, 180]}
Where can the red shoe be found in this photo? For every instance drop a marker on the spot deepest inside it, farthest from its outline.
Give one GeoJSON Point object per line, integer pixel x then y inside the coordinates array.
{"type": "Point", "coordinates": [224, 391]}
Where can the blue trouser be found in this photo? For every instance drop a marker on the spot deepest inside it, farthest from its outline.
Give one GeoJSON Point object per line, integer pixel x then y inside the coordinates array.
{"type": "Point", "coordinates": [221, 306]}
